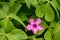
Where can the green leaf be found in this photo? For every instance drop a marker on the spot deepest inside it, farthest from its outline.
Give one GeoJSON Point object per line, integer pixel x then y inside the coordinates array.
{"type": "Point", "coordinates": [34, 38]}
{"type": "Point", "coordinates": [23, 17]}
{"type": "Point", "coordinates": [16, 35]}
{"type": "Point", "coordinates": [0, 7]}
{"type": "Point", "coordinates": [28, 3]}
{"type": "Point", "coordinates": [57, 32]}
{"type": "Point", "coordinates": [49, 13]}
{"type": "Point", "coordinates": [7, 24]}
{"type": "Point", "coordinates": [34, 17]}
{"type": "Point", "coordinates": [44, 0]}
{"type": "Point", "coordinates": [11, 2]}
{"type": "Point", "coordinates": [34, 2]}
{"type": "Point", "coordinates": [57, 28]}
{"type": "Point", "coordinates": [53, 24]}
{"type": "Point", "coordinates": [57, 36]}
{"type": "Point", "coordinates": [3, 3]}
{"type": "Point", "coordinates": [38, 38]}
{"type": "Point", "coordinates": [45, 26]}
{"type": "Point", "coordinates": [55, 4]}
{"type": "Point", "coordinates": [45, 9]}
{"type": "Point", "coordinates": [15, 8]}
{"type": "Point", "coordinates": [3, 38]}
{"type": "Point", "coordinates": [40, 11]}
{"type": "Point", "coordinates": [2, 31]}
{"type": "Point", "coordinates": [21, 1]}
{"type": "Point", "coordinates": [48, 35]}
{"type": "Point", "coordinates": [2, 14]}
{"type": "Point", "coordinates": [17, 19]}
{"type": "Point", "coordinates": [5, 8]}
{"type": "Point", "coordinates": [58, 1]}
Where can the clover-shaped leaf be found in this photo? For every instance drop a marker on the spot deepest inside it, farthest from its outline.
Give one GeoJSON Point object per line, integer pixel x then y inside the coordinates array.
{"type": "Point", "coordinates": [45, 26]}
{"type": "Point", "coordinates": [7, 24]}
{"type": "Point", "coordinates": [48, 35]}
{"type": "Point", "coordinates": [17, 19]}
{"type": "Point", "coordinates": [46, 10]}
{"type": "Point", "coordinates": [16, 34]}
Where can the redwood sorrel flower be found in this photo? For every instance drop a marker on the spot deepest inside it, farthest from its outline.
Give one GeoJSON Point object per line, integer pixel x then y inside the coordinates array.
{"type": "Point", "coordinates": [34, 25]}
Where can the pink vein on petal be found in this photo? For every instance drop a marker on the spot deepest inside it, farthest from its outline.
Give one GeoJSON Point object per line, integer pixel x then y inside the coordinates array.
{"type": "Point", "coordinates": [29, 27]}
{"type": "Point", "coordinates": [31, 21]}
{"type": "Point", "coordinates": [40, 28]}
{"type": "Point", "coordinates": [38, 21]}
{"type": "Point", "coordinates": [35, 31]}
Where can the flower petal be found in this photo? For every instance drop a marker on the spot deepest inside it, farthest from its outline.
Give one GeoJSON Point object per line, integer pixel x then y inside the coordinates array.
{"type": "Point", "coordinates": [35, 31]}
{"type": "Point", "coordinates": [40, 28]}
{"type": "Point", "coordinates": [29, 27]}
{"type": "Point", "coordinates": [31, 21]}
{"type": "Point", "coordinates": [38, 21]}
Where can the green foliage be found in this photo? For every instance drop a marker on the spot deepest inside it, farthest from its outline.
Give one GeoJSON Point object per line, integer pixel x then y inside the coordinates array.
{"type": "Point", "coordinates": [57, 32]}
{"type": "Point", "coordinates": [17, 18]}
{"type": "Point", "coordinates": [16, 35]}
{"type": "Point", "coordinates": [15, 15]}
{"type": "Point", "coordinates": [7, 24]}
{"type": "Point", "coordinates": [47, 10]}
{"type": "Point", "coordinates": [28, 3]}
{"type": "Point", "coordinates": [48, 35]}
{"type": "Point", "coordinates": [45, 26]}
{"type": "Point", "coordinates": [2, 14]}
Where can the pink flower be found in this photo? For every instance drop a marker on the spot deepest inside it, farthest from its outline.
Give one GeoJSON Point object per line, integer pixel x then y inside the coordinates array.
{"type": "Point", "coordinates": [34, 25]}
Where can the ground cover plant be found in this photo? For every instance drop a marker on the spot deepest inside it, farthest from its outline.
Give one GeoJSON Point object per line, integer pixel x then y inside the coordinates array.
{"type": "Point", "coordinates": [29, 19]}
